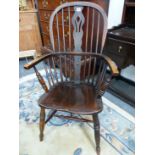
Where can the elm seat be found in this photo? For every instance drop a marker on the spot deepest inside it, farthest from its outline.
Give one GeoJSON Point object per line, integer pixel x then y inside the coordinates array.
{"type": "Point", "coordinates": [79, 99]}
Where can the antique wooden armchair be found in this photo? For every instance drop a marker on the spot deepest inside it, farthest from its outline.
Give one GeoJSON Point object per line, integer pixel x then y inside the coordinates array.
{"type": "Point", "coordinates": [76, 78]}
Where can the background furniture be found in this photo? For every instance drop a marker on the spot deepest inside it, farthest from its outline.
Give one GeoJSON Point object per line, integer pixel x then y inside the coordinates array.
{"type": "Point", "coordinates": [120, 44]}
{"type": "Point", "coordinates": [72, 92]}
{"type": "Point", "coordinates": [120, 47]}
{"type": "Point", "coordinates": [29, 34]}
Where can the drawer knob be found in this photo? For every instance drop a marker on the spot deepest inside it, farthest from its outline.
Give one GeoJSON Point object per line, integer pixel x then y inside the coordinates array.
{"type": "Point", "coordinates": [46, 15]}
{"type": "Point", "coordinates": [120, 49]}
{"type": "Point", "coordinates": [44, 3]}
{"type": "Point", "coordinates": [62, 1]}
{"type": "Point", "coordinates": [66, 20]}
{"type": "Point", "coordinates": [67, 34]}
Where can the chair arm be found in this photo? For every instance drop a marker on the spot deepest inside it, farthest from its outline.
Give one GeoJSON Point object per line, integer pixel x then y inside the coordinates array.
{"type": "Point", "coordinates": [49, 52]}
{"type": "Point", "coordinates": [35, 61]}
{"type": "Point", "coordinates": [38, 59]}
{"type": "Point", "coordinates": [112, 65]}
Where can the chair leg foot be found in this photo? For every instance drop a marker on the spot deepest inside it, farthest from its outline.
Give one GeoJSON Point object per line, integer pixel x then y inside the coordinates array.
{"type": "Point", "coordinates": [42, 123]}
{"type": "Point", "coordinates": [98, 151]}
{"type": "Point", "coordinates": [97, 132]}
{"type": "Point", "coordinates": [41, 137]}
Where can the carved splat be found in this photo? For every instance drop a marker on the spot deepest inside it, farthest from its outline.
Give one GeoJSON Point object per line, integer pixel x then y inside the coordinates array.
{"type": "Point", "coordinates": [77, 21]}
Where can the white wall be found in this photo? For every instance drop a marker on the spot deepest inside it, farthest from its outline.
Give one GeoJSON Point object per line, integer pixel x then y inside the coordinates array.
{"type": "Point", "coordinates": [115, 12]}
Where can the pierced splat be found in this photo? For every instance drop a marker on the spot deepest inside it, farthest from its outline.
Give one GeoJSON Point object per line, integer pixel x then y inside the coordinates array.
{"type": "Point", "coordinates": [77, 21]}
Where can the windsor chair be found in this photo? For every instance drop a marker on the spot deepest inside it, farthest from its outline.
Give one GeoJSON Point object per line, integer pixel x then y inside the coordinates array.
{"type": "Point", "coordinates": [76, 75]}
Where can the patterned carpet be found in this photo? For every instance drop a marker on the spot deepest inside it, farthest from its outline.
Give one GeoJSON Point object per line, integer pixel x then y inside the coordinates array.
{"type": "Point", "coordinates": [64, 137]}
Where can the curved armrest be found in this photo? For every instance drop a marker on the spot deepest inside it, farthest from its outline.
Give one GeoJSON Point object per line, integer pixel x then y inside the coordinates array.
{"type": "Point", "coordinates": [49, 52]}
{"type": "Point", "coordinates": [38, 59]}
{"type": "Point", "coordinates": [35, 61]}
{"type": "Point", "coordinates": [112, 65]}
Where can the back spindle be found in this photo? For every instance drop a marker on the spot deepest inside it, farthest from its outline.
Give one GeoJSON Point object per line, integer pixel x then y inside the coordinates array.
{"type": "Point", "coordinates": [92, 32]}
{"type": "Point", "coordinates": [60, 68]}
{"type": "Point", "coordinates": [89, 68]}
{"type": "Point", "coordinates": [47, 72]}
{"type": "Point", "coordinates": [84, 72]}
{"type": "Point", "coordinates": [87, 30]}
{"type": "Point", "coordinates": [55, 70]}
{"type": "Point", "coordinates": [102, 75]}
{"type": "Point", "coordinates": [63, 31]}
{"type": "Point", "coordinates": [50, 70]}
{"type": "Point", "coordinates": [98, 30]}
{"type": "Point", "coordinates": [58, 33]}
{"type": "Point", "coordinates": [70, 67]}
{"type": "Point", "coordinates": [69, 17]}
{"type": "Point", "coordinates": [65, 57]}
{"type": "Point", "coordinates": [99, 70]}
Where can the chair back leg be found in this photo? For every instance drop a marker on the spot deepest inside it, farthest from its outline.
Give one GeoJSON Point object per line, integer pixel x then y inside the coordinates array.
{"type": "Point", "coordinates": [97, 132]}
{"type": "Point", "coordinates": [42, 123]}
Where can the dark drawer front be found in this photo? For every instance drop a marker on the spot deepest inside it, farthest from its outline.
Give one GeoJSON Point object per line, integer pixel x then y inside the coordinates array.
{"type": "Point", "coordinates": [46, 42]}
{"type": "Point", "coordinates": [45, 29]}
{"type": "Point", "coordinates": [48, 4]}
{"type": "Point", "coordinates": [45, 16]}
{"type": "Point", "coordinates": [51, 4]}
{"type": "Point", "coordinates": [118, 51]}
{"type": "Point", "coordinates": [117, 47]}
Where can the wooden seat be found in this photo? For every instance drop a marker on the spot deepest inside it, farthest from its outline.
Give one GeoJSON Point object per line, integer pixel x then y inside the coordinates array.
{"type": "Point", "coordinates": [79, 99]}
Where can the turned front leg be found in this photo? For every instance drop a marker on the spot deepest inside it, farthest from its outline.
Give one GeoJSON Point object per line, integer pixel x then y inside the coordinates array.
{"type": "Point", "coordinates": [97, 132]}
{"type": "Point", "coordinates": [42, 123]}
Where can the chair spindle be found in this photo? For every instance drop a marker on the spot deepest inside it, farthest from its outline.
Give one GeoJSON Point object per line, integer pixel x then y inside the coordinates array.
{"type": "Point", "coordinates": [87, 29]}
{"type": "Point", "coordinates": [47, 73]}
{"type": "Point", "coordinates": [69, 17]}
{"type": "Point", "coordinates": [98, 30]}
{"type": "Point", "coordinates": [92, 31]}
{"type": "Point", "coordinates": [60, 67]}
{"type": "Point", "coordinates": [51, 74]}
{"type": "Point", "coordinates": [63, 31]}
{"type": "Point", "coordinates": [58, 33]}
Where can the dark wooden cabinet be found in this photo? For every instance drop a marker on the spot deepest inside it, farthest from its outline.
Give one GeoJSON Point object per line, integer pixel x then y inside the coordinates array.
{"type": "Point", "coordinates": [120, 42]}
{"type": "Point", "coordinates": [120, 47]}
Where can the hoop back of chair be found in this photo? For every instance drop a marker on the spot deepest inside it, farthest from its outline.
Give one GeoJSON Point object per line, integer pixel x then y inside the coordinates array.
{"type": "Point", "coordinates": [73, 27]}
